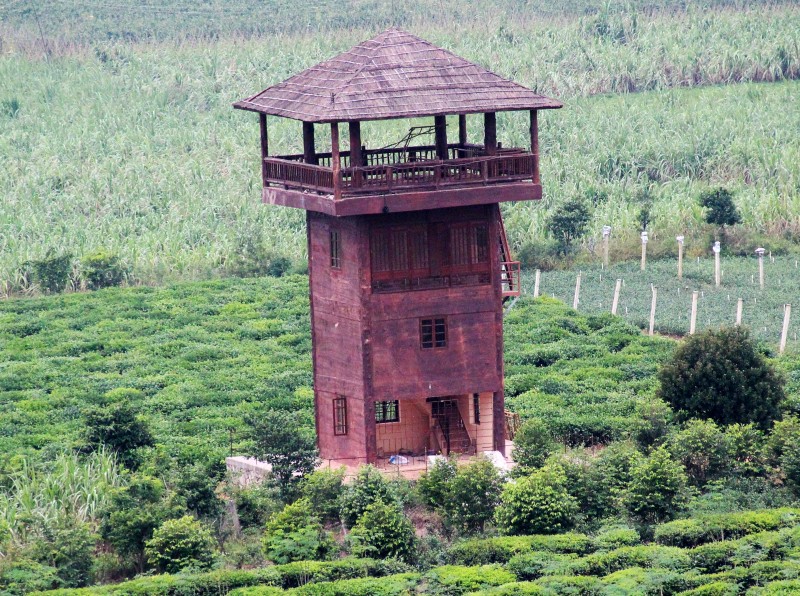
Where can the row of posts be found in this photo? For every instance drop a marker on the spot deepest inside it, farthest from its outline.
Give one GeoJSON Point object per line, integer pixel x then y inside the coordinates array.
{"type": "Point", "coordinates": [680, 239]}
{"type": "Point", "coordinates": [787, 308]}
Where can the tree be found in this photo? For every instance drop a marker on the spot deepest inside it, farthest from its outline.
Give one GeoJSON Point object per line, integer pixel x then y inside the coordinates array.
{"type": "Point", "coordinates": [134, 513]}
{"type": "Point", "coordinates": [433, 485]}
{"type": "Point", "coordinates": [282, 441]}
{"type": "Point", "coordinates": [472, 495]}
{"type": "Point", "coordinates": [382, 531]}
{"type": "Point", "coordinates": [657, 489]}
{"type": "Point", "coordinates": [295, 534]}
{"type": "Point", "coordinates": [569, 222]}
{"type": "Point", "coordinates": [721, 211]}
{"type": "Point", "coordinates": [719, 375]}
{"type": "Point", "coordinates": [533, 444]}
{"type": "Point", "coordinates": [609, 478]}
{"type": "Point", "coordinates": [197, 484]}
{"type": "Point", "coordinates": [68, 547]}
{"type": "Point", "coordinates": [117, 426]}
{"type": "Point", "coordinates": [179, 544]}
{"type": "Point", "coordinates": [369, 487]}
{"type": "Point", "coordinates": [537, 504]}
{"type": "Point", "coordinates": [323, 489]}
{"type": "Point", "coordinates": [703, 449]}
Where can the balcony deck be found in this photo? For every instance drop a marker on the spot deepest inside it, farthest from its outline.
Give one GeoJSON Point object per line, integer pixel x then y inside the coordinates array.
{"type": "Point", "coordinates": [401, 179]}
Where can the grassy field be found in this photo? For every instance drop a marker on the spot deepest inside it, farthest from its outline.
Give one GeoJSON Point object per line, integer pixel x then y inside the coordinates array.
{"type": "Point", "coordinates": [762, 309]}
{"type": "Point", "coordinates": [135, 148]}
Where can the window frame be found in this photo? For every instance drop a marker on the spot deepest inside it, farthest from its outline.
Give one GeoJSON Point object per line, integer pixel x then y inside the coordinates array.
{"type": "Point", "coordinates": [383, 409]}
{"type": "Point", "coordinates": [476, 408]}
{"type": "Point", "coordinates": [340, 416]}
{"type": "Point", "coordinates": [437, 326]}
{"type": "Point", "coordinates": [336, 249]}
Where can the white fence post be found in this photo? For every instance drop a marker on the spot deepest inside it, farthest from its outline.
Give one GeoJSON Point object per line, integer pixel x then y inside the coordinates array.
{"type": "Point", "coordinates": [536, 283]}
{"type": "Point", "coordinates": [615, 302]}
{"type": "Point", "coordinates": [693, 320]}
{"type": "Point", "coordinates": [576, 298]}
{"type": "Point", "coordinates": [787, 313]}
{"type": "Point", "coordinates": [653, 311]}
{"type": "Point", "coordinates": [644, 250]}
{"type": "Point", "coordinates": [680, 256]}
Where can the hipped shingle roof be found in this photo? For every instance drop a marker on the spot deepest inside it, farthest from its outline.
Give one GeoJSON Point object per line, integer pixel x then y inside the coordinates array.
{"type": "Point", "coordinates": [394, 75]}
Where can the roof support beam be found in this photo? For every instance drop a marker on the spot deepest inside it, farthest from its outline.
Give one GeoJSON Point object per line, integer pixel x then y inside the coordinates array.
{"type": "Point", "coordinates": [462, 130]}
{"type": "Point", "coordinates": [336, 164]}
{"type": "Point", "coordinates": [440, 128]}
{"type": "Point", "coordinates": [356, 156]}
{"type": "Point", "coordinates": [309, 151]}
{"type": "Point", "coordinates": [490, 133]}
{"type": "Point", "coordinates": [535, 145]}
{"type": "Point", "coordinates": [262, 121]}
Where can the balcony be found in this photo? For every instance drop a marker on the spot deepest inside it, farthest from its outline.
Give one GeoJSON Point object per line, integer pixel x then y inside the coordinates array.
{"type": "Point", "coordinates": [404, 178]}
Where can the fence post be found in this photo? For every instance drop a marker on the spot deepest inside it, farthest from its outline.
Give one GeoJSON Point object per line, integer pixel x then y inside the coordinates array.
{"type": "Point", "coordinates": [536, 283]}
{"type": "Point", "coordinates": [644, 250]}
{"type": "Point", "coordinates": [680, 256]}
{"type": "Point", "coordinates": [606, 235]}
{"type": "Point", "coordinates": [693, 320]}
{"type": "Point", "coordinates": [653, 311]}
{"type": "Point", "coordinates": [575, 299]}
{"type": "Point", "coordinates": [615, 302]}
{"type": "Point", "coordinates": [760, 252]}
{"type": "Point", "coordinates": [717, 276]}
{"type": "Point", "coordinates": [787, 313]}
{"type": "Point", "coordinates": [739, 307]}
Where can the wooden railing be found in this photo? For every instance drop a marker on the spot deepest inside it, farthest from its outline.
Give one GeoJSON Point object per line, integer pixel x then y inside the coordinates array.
{"type": "Point", "coordinates": [510, 273]}
{"type": "Point", "coordinates": [462, 171]}
{"type": "Point", "coordinates": [513, 423]}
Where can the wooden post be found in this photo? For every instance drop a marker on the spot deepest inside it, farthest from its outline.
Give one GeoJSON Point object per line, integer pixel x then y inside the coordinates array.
{"type": "Point", "coordinates": [536, 279]}
{"type": "Point", "coordinates": [462, 130]}
{"type": "Point", "coordinates": [576, 298]}
{"type": "Point", "coordinates": [653, 311]}
{"type": "Point", "coordinates": [717, 274]}
{"type": "Point", "coordinates": [787, 313]}
{"type": "Point", "coordinates": [760, 252]}
{"type": "Point", "coordinates": [309, 151]}
{"type": "Point", "coordinates": [606, 235]}
{"type": "Point", "coordinates": [693, 320]}
{"type": "Point", "coordinates": [615, 302]}
{"type": "Point", "coordinates": [680, 256]}
{"type": "Point", "coordinates": [739, 308]}
{"type": "Point", "coordinates": [490, 133]}
{"type": "Point", "coordinates": [534, 130]}
{"type": "Point", "coordinates": [440, 130]}
{"type": "Point", "coordinates": [262, 121]}
{"type": "Point", "coordinates": [644, 251]}
{"type": "Point", "coordinates": [336, 163]}
{"type": "Point", "coordinates": [356, 159]}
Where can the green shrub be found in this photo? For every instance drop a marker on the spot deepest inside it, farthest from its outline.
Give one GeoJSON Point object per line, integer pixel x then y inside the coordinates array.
{"type": "Point", "coordinates": [295, 534]}
{"type": "Point", "coordinates": [454, 579]}
{"type": "Point", "coordinates": [514, 589]}
{"type": "Point", "coordinates": [538, 503]}
{"type": "Point", "coordinates": [533, 444]}
{"type": "Point", "coordinates": [178, 544]}
{"type": "Point", "coordinates": [646, 556]}
{"type": "Point", "coordinates": [720, 209]}
{"type": "Point", "coordinates": [434, 484]}
{"type": "Point", "coordinates": [529, 566]}
{"type": "Point", "coordinates": [790, 586]}
{"type": "Point", "coordinates": [255, 503]}
{"type": "Point", "coordinates": [655, 582]}
{"type": "Point", "coordinates": [704, 450]}
{"type": "Point", "coordinates": [102, 270]}
{"type": "Point", "coordinates": [382, 531]}
{"type": "Point", "coordinates": [714, 589]}
{"type": "Point", "coordinates": [568, 222]}
{"type": "Point", "coordinates": [68, 547]}
{"type": "Point", "coordinates": [391, 585]}
{"type": "Point", "coordinates": [472, 495]}
{"type": "Point", "coordinates": [323, 490]}
{"type": "Point", "coordinates": [571, 585]}
{"type": "Point", "coordinates": [483, 551]}
{"type": "Point", "coordinates": [616, 537]}
{"type": "Point", "coordinates": [22, 576]}
{"type": "Point", "coordinates": [657, 489]}
{"type": "Point", "coordinates": [723, 526]}
{"type": "Point", "coordinates": [720, 375]}
{"type": "Point", "coordinates": [368, 487]}
{"type": "Point", "coordinates": [118, 427]}
{"type": "Point", "coordinates": [51, 273]}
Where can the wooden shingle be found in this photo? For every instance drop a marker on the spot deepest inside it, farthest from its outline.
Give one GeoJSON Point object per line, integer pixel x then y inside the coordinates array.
{"type": "Point", "coordinates": [394, 75]}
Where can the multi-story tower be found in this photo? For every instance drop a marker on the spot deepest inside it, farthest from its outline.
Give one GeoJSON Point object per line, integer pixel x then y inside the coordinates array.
{"type": "Point", "coordinates": [408, 260]}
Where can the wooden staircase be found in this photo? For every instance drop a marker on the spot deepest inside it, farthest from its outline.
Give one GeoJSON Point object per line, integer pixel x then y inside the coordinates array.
{"type": "Point", "coordinates": [509, 270]}
{"type": "Point", "coordinates": [449, 427]}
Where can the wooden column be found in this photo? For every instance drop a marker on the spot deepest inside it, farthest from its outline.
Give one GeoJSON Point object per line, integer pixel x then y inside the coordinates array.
{"type": "Point", "coordinates": [490, 133]}
{"type": "Point", "coordinates": [336, 164]}
{"type": "Point", "coordinates": [440, 126]}
{"type": "Point", "coordinates": [309, 150]}
{"type": "Point", "coordinates": [462, 130]}
{"type": "Point", "coordinates": [356, 157]}
{"type": "Point", "coordinates": [535, 145]}
{"type": "Point", "coordinates": [262, 121]}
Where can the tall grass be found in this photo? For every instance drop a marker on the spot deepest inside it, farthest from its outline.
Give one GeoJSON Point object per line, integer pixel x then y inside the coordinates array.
{"type": "Point", "coordinates": [135, 148]}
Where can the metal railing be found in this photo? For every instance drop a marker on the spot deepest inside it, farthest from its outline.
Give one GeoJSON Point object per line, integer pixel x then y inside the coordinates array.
{"type": "Point", "coordinates": [510, 278]}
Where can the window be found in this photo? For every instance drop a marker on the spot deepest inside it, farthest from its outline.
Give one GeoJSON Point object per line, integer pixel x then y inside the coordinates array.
{"type": "Point", "coordinates": [336, 249]}
{"type": "Point", "coordinates": [476, 407]}
{"type": "Point", "coordinates": [399, 252]}
{"type": "Point", "coordinates": [387, 411]}
{"type": "Point", "coordinates": [340, 416]}
{"type": "Point", "coordinates": [468, 249]}
{"type": "Point", "coordinates": [432, 333]}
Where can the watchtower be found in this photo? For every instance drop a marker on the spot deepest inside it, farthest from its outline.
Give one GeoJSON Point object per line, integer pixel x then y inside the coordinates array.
{"type": "Point", "coordinates": [408, 259]}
